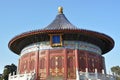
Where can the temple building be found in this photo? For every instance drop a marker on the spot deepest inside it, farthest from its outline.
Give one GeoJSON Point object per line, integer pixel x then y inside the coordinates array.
{"type": "Point", "coordinates": [61, 51]}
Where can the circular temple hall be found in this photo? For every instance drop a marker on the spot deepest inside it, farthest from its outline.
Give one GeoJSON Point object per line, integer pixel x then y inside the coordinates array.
{"type": "Point", "coordinates": [60, 51]}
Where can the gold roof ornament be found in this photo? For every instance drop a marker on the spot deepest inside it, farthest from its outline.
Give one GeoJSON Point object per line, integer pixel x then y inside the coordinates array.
{"type": "Point", "coordinates": [60, 10]}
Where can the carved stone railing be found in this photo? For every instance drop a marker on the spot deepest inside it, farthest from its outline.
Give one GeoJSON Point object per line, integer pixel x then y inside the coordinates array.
{"type": "Point", "coordinates": [95, 76]}
{"type": "Point", "coordinates": [25, 76]}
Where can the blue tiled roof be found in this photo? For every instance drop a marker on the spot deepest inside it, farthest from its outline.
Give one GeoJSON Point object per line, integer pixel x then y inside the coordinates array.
{"type": "Point", "coordinates": [60, 23]}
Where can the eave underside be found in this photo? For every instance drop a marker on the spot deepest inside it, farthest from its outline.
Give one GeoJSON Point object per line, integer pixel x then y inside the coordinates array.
{"type": "Point", "coordinates": [104, 43]}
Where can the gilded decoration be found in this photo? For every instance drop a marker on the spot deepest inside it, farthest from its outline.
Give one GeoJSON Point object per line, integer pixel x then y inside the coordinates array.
{"type": "Point", "coordinates": [32, 64]}
{"type": "Point", "coordinates": [42, 69]}
{"type": "Point", "coordinates": [42, 63]}
{"type": "Point", "coordinates": [56, 66]}
{"type": "Point", "coordinates": [82, 63]}
{"type": "Point", "coordinates": [71, 67]}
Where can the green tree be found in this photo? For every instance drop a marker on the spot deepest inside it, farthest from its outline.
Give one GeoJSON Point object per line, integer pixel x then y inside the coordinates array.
{"type": "Point", "coordinates": [7, 70]}
{"type": "Point", "coordinates": [116, 72]}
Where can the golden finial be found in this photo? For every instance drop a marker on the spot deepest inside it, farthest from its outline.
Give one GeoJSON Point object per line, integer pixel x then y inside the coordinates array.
{"type": "Point", "coordinates": [60, 10]}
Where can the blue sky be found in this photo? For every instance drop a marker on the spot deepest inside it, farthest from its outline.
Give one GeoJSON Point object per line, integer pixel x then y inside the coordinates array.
{"type": "Point", "coordinates": [18, 16]}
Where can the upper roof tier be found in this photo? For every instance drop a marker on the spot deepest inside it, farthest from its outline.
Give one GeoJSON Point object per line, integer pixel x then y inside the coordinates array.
{"type": "Point", "coordinates": [60, 22]}
{"type": "Point", "coordinates": [61, 25]}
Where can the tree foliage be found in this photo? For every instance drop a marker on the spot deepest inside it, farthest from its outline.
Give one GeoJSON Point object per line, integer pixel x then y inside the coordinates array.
{"type": "Point", "coordinates": [7, 70]}
{"type": "Point", "coordinates": [116, 72]}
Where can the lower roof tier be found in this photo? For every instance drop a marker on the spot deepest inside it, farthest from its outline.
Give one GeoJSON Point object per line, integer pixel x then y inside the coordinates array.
{"type": "Point", "coordinates": [104, 42]}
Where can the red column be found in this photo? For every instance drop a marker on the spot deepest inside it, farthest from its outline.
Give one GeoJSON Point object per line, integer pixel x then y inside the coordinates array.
{"type": "Point", "coordinates": [37, 64]}
{"type": "Point", "coordinates": [76, 59]}
{"type": "Point", "coordinates": [28, 64]}
{"type": "Point", "coordinates": [104, 67]}
{"type": "Point", "coordinates": [18, 69]}
{"type": "Point", "coordinates": [86, 60]}
{"type": "Point", "coordinates": [65, 64]}
{"type": "Point", "coordinates": [77, 64]}
{"type": "Point", "coordinates": [47, 62]}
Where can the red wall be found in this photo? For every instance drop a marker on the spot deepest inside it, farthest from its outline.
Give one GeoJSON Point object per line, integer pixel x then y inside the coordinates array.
{"type": "Point", "coordinates": [60, 62]}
